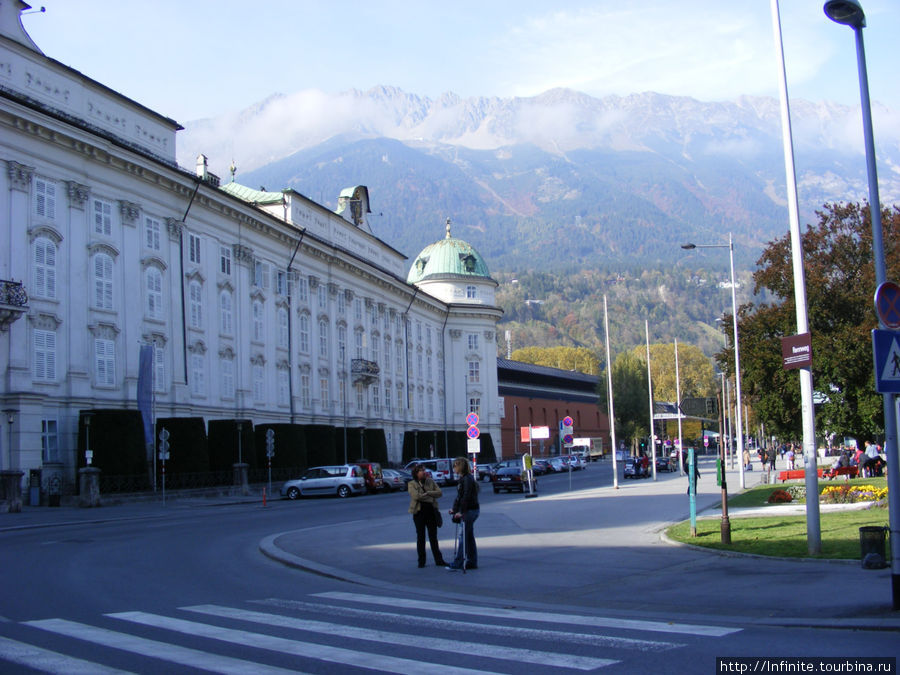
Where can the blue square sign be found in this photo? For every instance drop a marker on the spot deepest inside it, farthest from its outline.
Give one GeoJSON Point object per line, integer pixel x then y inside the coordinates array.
{"type": "Point", "coordinates": [886, 348]}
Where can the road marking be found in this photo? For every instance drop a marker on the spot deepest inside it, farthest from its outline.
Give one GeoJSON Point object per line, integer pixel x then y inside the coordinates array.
{"type": "Point", "coordinates": [525, 615]}
{"type": "Point", "coordinates": [513, 632]}
{"type": "Point", "coordinates": [47, 661]}
{"type": "Point", "coordinates": [310, 650]}
{"type": "Point", "coordinates": [454, 646]}
{"type": "Point", "coordinates": [185, 656]}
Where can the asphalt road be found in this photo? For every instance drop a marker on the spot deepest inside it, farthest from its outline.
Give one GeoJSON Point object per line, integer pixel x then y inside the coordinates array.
{"type": "Point", "coordinates": [184, 588]}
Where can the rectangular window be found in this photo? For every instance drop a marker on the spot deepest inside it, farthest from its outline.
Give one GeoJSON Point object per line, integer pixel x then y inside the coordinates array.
{"type": "Point", "coordinates": [471, 292]}
{"type": "Point", "coordinates": [399, 397]}
{"type": "Point", "coordinates": [323, 339]}
{"type": "Point", "coordinates": [152, 230]}
{"type": "Point", "coordinates": [387, 398]}
{"type": "Point", "coordinates": [303, 289]}
{"type": "Point", "coordinates": [44, 198]}
{"type": "Point", "coordinates": [103, 284]}
{"type": "Point", "coordinates": [44, 355]}
{"type": "Point", "coordinates": [49, 441]}
{"type": "Point", "coordinates": [342, 393]}
{"type": "Point", "coordinates": [261, 274]}
{"type": "Point", "coordinates": [322, 292]}
{"type": "Point", "coordinates": [259, 324]}
{"type": "Point", "coordinates": [473, 342]}
{"type": "Point", "coordinates": [259, 383]}
{"type": "Point", "coordinates": [284, 391]}
{"type": "Point", "coordinates": [305, 395]}
{"type": "Point", "coordinates": [387, 355]}
{"type": "Point", "coordinates": [360, 397]}
{"type": "Point", "coordinates": [225, 260]}
{"type": "Point", "coordinates": [159, 369]}
{"type": "Point", "coordinates": [194, 248]}
{"type": "Point", "coordinates": [475, 406]}
{"type": "Point", "coordinates": [227, 370]}
{"type": "Point", "coordinates": [357, 308]}
{"type": "Point", "coordinates": [303, 334]}
{"type": "Point", "coordinates": [102, 213]}
{"type": "Point", "coordinates": [376, 400]}
{"type": "Point", "coordinates": [44, 268]}
{"type": "Point", "coordinates": [324, 393]}
{"type": "Point", "coordinates": [341, 303]}
{"type": "Point", "coordinates": [105, 362]}
{"type": "Point", "coordinates": [282, 328]}
{"type": "Point", "coordinates": [474, 372]}
{"type": "Point", "coordinates": [196, 304]}
{"type": "Point", "coordinates": [281, 282]}
{"type": "Point", "coordinates": [342, 344]}
{"type": "Point", "coordinates": [198, 373]}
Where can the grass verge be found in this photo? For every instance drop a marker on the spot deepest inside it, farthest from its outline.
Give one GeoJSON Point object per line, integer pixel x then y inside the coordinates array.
{"type": "Point", "coordinates": [785, 536]}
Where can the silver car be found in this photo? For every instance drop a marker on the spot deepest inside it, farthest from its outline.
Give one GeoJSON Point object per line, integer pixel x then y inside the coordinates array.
{"type": "Point", "coordinates": [342, 480]}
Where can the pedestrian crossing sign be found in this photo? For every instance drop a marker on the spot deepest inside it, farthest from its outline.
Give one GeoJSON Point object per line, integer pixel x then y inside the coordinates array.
{"type": "Point", "coordinates": [886, 348]}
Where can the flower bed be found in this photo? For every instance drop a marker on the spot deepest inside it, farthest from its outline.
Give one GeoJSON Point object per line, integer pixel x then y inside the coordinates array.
{"type": "Point", "coordinates": [849, 494]}
{"type": "Point", "coordinates": [780, 497]}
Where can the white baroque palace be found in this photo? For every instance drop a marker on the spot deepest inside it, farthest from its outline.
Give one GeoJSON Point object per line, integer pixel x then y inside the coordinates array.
{"type": "Point", "coordinates": [259, 305]}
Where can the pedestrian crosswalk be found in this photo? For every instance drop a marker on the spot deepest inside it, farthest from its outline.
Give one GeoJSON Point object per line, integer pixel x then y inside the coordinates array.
{"type": "Point", "coordinates": [339, 632]}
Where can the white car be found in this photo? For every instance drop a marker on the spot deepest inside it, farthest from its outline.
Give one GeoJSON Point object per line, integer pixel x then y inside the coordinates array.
{"type": "Point", "coordinates": [342, 480]}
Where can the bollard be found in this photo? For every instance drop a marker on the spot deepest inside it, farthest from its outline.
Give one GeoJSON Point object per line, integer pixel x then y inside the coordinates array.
{"type": "Point", "coordinates": [264, 496]}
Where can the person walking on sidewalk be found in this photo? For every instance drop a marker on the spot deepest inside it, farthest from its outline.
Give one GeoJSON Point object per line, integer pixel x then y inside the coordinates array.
{"type": "Point", "coordinates": [423, 496]}
{"type": "Point", "coordinates": [465, 510]}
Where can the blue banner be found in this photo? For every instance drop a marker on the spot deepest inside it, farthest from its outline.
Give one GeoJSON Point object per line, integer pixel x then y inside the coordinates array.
{"type": "Point", "coordinates": [145, 390]}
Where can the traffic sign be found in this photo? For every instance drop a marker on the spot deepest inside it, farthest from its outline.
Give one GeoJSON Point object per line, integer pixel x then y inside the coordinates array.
{"type": "Point", "coordinates": [472, 419]}
{"type": "Point", "coordinates": [706, 441]}
{"type": "Point", "coordinates": [886, 349]}
{"type": "Point", "coordinates": [887, 304]}
{"type": "Point", "coordinates": [567, 440]}
{"type": "Point", "coordinates": [472, 432]}
{"type": "Point", "coordinates": [164, 434]}
{"type": "Point", "coordinates": [568, 421]}
{"type": "Point", "coordinates": [473, 446]}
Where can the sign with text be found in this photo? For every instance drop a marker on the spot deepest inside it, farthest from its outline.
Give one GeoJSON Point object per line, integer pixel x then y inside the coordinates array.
{"type": "Point", "coordinates": [473, 446]}
{"type": "Point", "coordinates": [540, 432]}
{"type": "Point", "coordinates": [796, 351]}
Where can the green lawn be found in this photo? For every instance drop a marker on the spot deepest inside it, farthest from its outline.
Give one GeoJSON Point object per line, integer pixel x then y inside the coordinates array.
{"type": "Point", "coordinates": [785, 536]}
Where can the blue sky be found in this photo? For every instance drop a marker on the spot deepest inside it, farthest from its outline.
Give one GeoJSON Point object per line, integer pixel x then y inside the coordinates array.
{"type": "Point", "coordinates": [201, 58]}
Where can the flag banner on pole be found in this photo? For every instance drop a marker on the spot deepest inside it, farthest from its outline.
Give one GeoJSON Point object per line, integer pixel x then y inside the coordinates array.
{"type": "Point", "coordinates": [145, 390]}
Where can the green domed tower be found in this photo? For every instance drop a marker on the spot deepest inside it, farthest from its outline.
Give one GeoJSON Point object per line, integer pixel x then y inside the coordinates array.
{"type": "Point", "coordinates": [453, 271]}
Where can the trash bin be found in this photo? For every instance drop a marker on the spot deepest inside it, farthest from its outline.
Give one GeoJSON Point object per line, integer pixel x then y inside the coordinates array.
{"type": "Point", "coordinates": [872, 548]}
{"type": "Point", "coordinates": [34, 487]}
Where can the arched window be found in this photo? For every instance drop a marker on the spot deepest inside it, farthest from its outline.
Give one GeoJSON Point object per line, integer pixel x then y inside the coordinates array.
{"type": "Point", "coordinates": [44, 276]}
{"type": "Point", "coordinates": [103, 283]}
{"type": "Point", "coordinates": [153, 283]}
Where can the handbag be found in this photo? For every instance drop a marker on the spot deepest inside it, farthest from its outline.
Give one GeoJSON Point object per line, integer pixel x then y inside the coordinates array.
{"type": "Point", "coordinates": [439, 518]}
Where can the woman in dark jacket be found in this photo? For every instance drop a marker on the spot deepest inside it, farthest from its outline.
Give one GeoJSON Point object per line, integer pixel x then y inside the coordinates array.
{"type": "Point", "coordinates": [465, 510]}
{"type": "Point", "coordinates": [423, 496]}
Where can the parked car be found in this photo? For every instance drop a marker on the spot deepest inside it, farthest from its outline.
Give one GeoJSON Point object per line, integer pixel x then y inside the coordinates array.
{"type": "Point", "coordinates": [372, 475]}
{"type": "Point", "coordinates": [539, 467]}
{"type": "Point", "coordinates": [504, 463]}
{"type": "Point", "coordinates": [575, 462]}
{"type": "Point", "coordinates": [666, 464]}
{"type": "Point", "coordinates": [557, 464]}
{"type": "Point", "coordinates": [633, 468]}
{"type": "Point", "coordinates": [511, 479]}
{"type": "Point", "coordinates": [342, 480]}
{"type": "Point", "coordinates": [395, 479]}
{"type": "Point", "coordinates": [441, 470]}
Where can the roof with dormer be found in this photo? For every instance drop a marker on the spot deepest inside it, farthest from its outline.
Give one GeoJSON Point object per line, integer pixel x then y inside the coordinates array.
{"type": "Point", "coordinates": [448, 259]}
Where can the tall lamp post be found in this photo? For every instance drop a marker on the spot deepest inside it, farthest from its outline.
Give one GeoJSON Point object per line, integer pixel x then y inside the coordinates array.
{"type": "Point", "coordinates": [850, 13]}
{"type": "Point", "coordinates": [737, 354]}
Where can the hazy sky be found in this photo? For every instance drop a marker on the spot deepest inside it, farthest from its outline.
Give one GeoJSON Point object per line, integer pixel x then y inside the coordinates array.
{"type": "Point", "coordinates": [189, 59]}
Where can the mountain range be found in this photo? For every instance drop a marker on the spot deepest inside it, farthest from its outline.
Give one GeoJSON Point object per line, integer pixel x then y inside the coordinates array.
{"type": "Point", "coordinates": [585, 183]}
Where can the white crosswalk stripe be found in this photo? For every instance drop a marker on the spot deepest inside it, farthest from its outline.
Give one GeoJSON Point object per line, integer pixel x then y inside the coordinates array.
{"type": "Point", "coordinates": [38, 658]}
{"type": "Point", "coordinates": [433, 643]}
{"type": "Point", "coordinates": [335, 630]}
{"type": "Point", "coordinates": [136, 645]}
{"type": "Point", "coordinates": [526, 615]}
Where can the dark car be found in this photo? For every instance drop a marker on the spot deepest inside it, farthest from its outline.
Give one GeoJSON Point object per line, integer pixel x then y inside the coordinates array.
{"type": "Point", "coordinates": [666, 464]}
{"type": "Point", "coordinates": [511, 479]}
{"type": "Point", "coordinates": [539, 467]}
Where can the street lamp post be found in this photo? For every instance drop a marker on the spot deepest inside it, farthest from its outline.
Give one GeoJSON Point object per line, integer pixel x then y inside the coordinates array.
{"type": "Point", "coordinates": [10, 419]}
{"type": "Point", "coordinates": [737, 354]}
{"type": "Point", "coordinates": [850, 13]}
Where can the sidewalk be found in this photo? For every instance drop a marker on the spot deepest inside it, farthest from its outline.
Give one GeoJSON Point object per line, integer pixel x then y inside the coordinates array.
{"type": "Point", "coordinates": [601, 549]}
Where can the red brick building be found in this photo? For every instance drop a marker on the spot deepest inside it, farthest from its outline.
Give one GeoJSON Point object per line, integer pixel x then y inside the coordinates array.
{"type": "Point", "coordinates": [542, 396]}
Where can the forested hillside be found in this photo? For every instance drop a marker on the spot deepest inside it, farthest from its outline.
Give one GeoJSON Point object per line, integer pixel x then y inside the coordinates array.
{"type": "Point", "coordinates": [548, 309]}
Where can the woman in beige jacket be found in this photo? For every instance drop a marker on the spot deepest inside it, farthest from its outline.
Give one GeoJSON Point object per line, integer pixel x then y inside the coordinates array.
{"type": "Point", "coordinates": [423, 496]}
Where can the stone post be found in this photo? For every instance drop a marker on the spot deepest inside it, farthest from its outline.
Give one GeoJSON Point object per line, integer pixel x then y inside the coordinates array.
{"type": "Point", "coordinates": [89, 487]}
{"type": "Point", "coordinates": [241, 478]}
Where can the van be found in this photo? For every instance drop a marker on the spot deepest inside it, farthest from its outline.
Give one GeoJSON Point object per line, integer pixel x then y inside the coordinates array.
{"type": "Point", "coordinates": [441, 470]}
{"type": "Point", "coordinates": [371, 472]}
